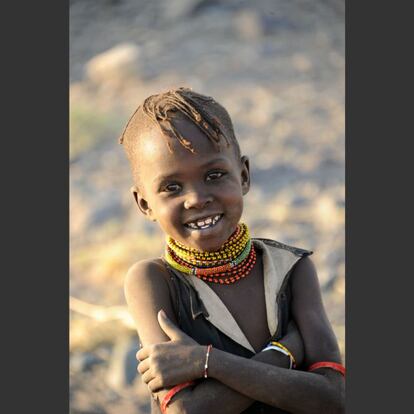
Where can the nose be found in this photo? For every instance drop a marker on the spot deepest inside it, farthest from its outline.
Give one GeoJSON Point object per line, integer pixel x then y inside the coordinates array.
{"type": "Point", "coordinates": [197, 200]}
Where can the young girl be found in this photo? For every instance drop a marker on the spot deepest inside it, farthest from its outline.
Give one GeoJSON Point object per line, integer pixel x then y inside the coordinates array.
{"type": "Point", "coordinates": [228, 323]}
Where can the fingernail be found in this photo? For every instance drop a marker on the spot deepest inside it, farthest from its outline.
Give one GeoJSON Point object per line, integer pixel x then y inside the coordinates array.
{"type": "Point", "coordinates": [163, 313]}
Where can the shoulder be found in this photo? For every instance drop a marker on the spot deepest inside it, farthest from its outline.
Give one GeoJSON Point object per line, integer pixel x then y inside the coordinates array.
{"type": "Point", "coordinates": [305, 271]}
{"type": "Point", "coordinates": [145, 270]}
{"type": "Point", "coordinates": [148, 282]}
{"type": "Point", "coordinates": [147, 290]}
{"type": "Point", "coordinates": [145, 267]}
{"type": "Point", "coordinates": [284, 257]}
{"type": "Point", "coordinates": [144, 275]}
{"type": "Point", "coordinates": [274, 244]}
{"type": "Point", "coordinates": [305, 283]}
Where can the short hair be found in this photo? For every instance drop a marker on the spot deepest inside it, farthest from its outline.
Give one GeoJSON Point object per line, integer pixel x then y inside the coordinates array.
{"type": "Point", "coordinates": [160, 110]}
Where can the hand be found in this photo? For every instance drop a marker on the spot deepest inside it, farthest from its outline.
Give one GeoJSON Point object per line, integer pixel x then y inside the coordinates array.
{"type": "Point", "coordinates": [170, 363]}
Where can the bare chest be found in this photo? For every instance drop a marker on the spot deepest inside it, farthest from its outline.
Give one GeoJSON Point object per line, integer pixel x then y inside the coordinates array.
{"type": "Point", "coordinates": [245, 300]}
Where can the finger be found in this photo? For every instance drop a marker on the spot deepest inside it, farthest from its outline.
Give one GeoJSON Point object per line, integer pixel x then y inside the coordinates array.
{"type": "Point", "coordinates": [154, 385]}
{"type": "Point", "coordinates": [143, 353]}
{"type": "Point", "coordinates": [172, 331]}
{"type": "Point", "coordinates": [143, 366]}
{"type": "Point", "coordinates": [147, 376]}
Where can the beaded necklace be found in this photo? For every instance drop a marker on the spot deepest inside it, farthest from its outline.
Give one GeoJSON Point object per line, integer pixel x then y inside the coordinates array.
{"type": "Point", "coordinates": [232, 262]}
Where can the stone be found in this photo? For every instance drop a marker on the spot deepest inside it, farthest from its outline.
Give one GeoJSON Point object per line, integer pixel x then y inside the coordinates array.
{"type": "Point", "coordinates": [114, 66]}
{"type": "Point", "coordinates": [247, 24]}
{"type": "Point", "coordinates": [85, 361]}
{"type": "Point", "coordinates": [122, 369]}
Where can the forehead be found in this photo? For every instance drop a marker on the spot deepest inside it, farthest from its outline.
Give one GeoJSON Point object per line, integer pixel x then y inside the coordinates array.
{"type": "Point", "coordinates": [155, 156]}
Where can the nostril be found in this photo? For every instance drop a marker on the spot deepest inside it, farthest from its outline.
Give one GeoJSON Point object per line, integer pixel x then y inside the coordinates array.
{"type": "Point", "coordinates": [196, 201]}
{"type": "Point", "coordinates": [198, 204]}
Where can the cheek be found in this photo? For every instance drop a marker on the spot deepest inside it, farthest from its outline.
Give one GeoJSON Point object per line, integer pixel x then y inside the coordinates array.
{"type": "Point", "coordinates": [168, 212]}
{"type": "Point", "coordinates": [232, 192]}
{"type": "Point", "coordinates": [232, 198]}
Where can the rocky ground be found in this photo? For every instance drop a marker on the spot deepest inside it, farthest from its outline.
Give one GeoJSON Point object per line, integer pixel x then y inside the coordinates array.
{"type": "Point", "coordinates": [278, 67]}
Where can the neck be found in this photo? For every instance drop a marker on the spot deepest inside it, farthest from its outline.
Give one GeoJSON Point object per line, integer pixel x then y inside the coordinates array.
{"type": "Point", "coordinates": [233, 261]}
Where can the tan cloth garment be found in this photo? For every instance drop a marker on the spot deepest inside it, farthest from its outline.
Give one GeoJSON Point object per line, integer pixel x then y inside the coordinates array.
{"type": "Point", "coordinates": [277, 263]}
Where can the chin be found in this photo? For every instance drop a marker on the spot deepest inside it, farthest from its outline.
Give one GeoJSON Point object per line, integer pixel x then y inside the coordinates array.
{"type": "Point", "coordinates": [209, 244]}
{"type": "Point", "coordinates": [209, 247]}
{"type": "Point", "coordinates": [208, 240]}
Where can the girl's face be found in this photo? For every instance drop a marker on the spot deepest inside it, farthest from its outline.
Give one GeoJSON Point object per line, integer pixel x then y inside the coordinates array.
{"type": "Point", "coordinates": [196, 198]}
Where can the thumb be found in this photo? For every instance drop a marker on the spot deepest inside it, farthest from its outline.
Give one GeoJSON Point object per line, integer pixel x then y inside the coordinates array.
{"type": "Point", "coordinates": [169, 328]}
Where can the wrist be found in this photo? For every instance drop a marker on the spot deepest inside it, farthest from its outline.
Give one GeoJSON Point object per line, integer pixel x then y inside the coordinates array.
{"type": "Point", "coordinates": [199, 355]}
{"type": "Point", "coordinates": [279, 347]}
{"type": "Point", "coordinates": [295, 347]}
{"type": "Point", "coordinates": [273, 358]}
{"type": "Point", "coordinates": [218, 362]}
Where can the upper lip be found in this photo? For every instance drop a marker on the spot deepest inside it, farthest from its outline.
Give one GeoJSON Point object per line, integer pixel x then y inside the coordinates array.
{"type": "Point", "coordinates": [203, 217]}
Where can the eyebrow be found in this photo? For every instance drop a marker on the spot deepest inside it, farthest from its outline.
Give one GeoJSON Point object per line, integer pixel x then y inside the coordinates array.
{"type": "Point", "coordinates": [160, 177]}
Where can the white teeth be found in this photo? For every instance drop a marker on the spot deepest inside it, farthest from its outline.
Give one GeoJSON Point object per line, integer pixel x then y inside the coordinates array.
{"type": "Point", "coordinates": [204, 224]}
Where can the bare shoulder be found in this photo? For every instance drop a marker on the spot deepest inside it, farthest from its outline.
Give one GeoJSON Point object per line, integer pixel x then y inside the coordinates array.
{"type": "Point", "coordinates": [304, 275]}
{"type": "Point", "coordinates": [147, 292]}
{"type": "Point", "coordinates": [144, 272]}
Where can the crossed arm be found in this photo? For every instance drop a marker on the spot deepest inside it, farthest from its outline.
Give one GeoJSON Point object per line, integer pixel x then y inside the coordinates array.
{"type": "Point", "coordinates": [235, 382]}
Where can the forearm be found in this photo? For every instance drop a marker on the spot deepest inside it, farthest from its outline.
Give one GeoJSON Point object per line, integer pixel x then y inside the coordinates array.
{"type": "Point", "coordinates": [291, 390]}
{"type": "Point", "coordinates": [210, 396]}
{"type": "Point", "coordinates": [178, 361]}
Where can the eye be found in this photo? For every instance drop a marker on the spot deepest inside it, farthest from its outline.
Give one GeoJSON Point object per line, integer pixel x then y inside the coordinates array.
{"type": "Point", "coordinates": [171, 188]}
{"type": "Point", "coordinates": [215, 175]}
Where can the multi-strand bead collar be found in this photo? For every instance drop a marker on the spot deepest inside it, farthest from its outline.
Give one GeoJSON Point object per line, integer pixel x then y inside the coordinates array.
{"type": "Point", "coordinates": [232, 262]}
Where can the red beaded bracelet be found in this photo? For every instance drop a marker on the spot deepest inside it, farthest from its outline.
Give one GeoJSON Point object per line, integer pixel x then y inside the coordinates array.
{"type": "Point", "coordinates": [335, 366]}
{"type": "Point", "coordinates": [171, 394]}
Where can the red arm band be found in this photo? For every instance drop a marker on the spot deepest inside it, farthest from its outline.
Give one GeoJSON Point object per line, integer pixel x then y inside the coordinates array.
{"type": "Point", "coordinates": [171, 394]}
{"type": "Point", "coordinates": [333, 365]}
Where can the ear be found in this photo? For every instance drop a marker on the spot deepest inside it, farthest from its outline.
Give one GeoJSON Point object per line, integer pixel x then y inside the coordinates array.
{"type": "Point", "coordinates": [142, 203]}
{"type": "Point", "coordinates": [245, 174]}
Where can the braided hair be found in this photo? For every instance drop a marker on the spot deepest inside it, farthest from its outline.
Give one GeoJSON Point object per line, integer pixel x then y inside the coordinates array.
{"type": "Point", "coordinates": [160, 111]}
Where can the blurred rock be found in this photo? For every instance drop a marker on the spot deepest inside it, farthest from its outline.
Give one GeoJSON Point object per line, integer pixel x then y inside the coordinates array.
{"type": "Point", "coordinates": [178, 9]}
{"type": "Point", "coordinates": [122, 369]}
{"type": "Point", "coordinates": [105, 207]}
{"type": "Point", "coordinates": [108, 209]}
{"type": "Point", "coordinates": [247, 24]}
{"type": "Point", "coordinates": [114, 66]}
{"type": "Point", "coordinates": [84, 361]}
{"type": "Point", "coordinates": [326, 214]}
{"type": "Point", "coordinates": [301, 62]}
{"type": "Point", "coordinates": [87, 410]}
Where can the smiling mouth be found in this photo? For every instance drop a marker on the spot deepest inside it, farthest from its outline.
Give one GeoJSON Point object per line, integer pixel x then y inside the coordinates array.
{"type": "Point", "coordinates": [204, 223]}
